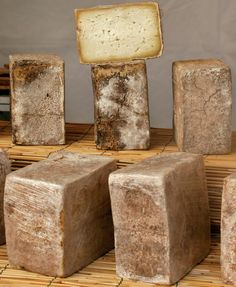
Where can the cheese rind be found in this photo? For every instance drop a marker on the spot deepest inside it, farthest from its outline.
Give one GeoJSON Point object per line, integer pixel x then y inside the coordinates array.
{"type": "Point", "coordinates": [119, 33]}
{"type": "Point", "coordinates": [121, 106]}
{"type": "Point", "coordinates": [202, 106]}
{"type": "Point", "coordinates": [228, 227]}
{"type": "Point", "coordinates": [5, 168]}
{"type": "Point", "coordinates": [161, 217]}
{"type": "Point", "coordinates": [37, 99]}
{"type": "Point", "coordinates": [58, 212]}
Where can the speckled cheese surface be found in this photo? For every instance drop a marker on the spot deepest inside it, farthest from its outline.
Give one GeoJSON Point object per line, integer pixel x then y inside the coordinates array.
{"type": "Point", "coordinates": [161, 217]}
{"type": "Point", "coordinates": [5, 168]}
{"type": "Point", "coordinates": [202, 106]}
{"type": "Point", "coordinates": [121, 106]}
{"type": "Point", "coordinates": [58, 212]}
{"type": "Point", "coordinates": [118, 33]}
{"type": "Point", "coordinates": [37, 99]}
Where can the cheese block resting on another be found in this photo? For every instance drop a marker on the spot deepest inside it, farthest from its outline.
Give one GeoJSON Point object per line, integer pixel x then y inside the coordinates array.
{"type": "Point", "coordinates": [119, 33]}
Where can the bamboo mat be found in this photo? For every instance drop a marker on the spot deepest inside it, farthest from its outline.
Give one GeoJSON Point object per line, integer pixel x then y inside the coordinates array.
{"type": "Point", "coordinates": [101, 273]}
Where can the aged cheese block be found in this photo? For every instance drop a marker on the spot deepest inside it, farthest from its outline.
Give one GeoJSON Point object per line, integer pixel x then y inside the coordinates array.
{"type": "Point", "coordinates": [228, 230]}
{"type": "Point", "coordinates": [37, 99]}
{"type": "Point", "coordinates": [5, 167]}
{"type": "Point", "coordinates": [119, 33]}
{"type": "Point", "coordinates": [121, 106]}
{"type": "Point", "coordinates": [202, 106]}
{"type": "Point", "coordinates": [161, 217]}
{"type": "Point", "coordinates": [58, 214]}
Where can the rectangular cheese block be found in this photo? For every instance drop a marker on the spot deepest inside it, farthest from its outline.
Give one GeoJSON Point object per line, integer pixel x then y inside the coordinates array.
{"type": "Point", "coordinates": [202, 106]}
{"type": "Point", "coordinates": [5, 168]}
{"type": "Point", "coordinates": [37, 99]}
{"type": "Point", "coordinates": [228, 230]}
{"type": "Point", "coordinates": [119, 33]}
{"type": "Point", "coordinates": [58, 213]}
{"type": "Point", "coordinates": [121, 106]}
{"type": "Point", "coordinates": [161, 217]}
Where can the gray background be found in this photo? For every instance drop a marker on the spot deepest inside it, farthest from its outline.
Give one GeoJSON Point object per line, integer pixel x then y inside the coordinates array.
{"type": "Point", "coordinates": [191, 29]}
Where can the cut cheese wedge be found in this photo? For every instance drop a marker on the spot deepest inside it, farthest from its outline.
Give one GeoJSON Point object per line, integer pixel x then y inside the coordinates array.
{"type": "Point", "coordinates": [119, 33]}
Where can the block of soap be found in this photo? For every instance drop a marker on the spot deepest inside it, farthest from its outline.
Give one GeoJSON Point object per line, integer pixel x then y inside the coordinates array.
{"type": "Point", "coordinates": [228, 230]}
{"type": "Point", "coordinates": [37, 99]}
{"type": "Point", "coordinates": [161, 217]}
{"type": "Point", "coordinates": [121, 106]}
{"type": "Point", "coordinates": [58, 213]}
{"type": "Point", "coordinates": [5, 168]}
{"type": "Point", "coordinates": [202, 106]}
{"type": "Point", "coordinates": [119, 33]}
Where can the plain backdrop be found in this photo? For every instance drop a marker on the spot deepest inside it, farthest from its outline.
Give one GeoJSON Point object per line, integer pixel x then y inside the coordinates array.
{"type": "Point", "coordinates": [192, 29]}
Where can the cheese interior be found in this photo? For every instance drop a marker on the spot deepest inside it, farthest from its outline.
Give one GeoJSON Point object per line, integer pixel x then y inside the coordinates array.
{"type": "Point", "coordinates": [119, 33]}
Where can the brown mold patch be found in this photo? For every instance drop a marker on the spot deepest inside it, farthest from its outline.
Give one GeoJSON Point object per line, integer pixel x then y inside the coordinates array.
{"type": "Point", "coordinates": [10, 207]}
{"type": "Point", "coordinates": [115, 80]}
{"type": "Point", "coordinates": [26, 72]}
{"type": "Point", "coordinates": [62, 219]}
{"type": "Point", "coordinates": [121, 86]}
{"type": "Point", "coordinates": [124, 69]}
{"type": "Point", "coordinates": [15, 139]}
{"type": "Point", "coordinates": [108, 135]}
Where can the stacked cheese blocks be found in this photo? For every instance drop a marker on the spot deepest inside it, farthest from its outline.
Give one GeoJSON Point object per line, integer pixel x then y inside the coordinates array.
{"type": "Point", "coordinates": [58, 211]}
{"type": "Point", "coordinates": [116, 40]}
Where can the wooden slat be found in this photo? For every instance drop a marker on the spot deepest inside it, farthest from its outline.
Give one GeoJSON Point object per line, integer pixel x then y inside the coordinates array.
{"type": "Point", "coordinates": [5, 87]}
{"type": "Point", "coordinates": [4, 81]}
{"type": "Point", "coordinates": [4, 71]}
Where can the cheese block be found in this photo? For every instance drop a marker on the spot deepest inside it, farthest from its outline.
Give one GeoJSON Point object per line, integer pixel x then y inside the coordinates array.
{"type": "Point", "coordinates": [5, 167]}
{"type": "Point", "coordinates": [58, 213]}
{"type": "Point", "coordinates": [228, 227]}
{"type": "Point", "coordinates": [121, 106]}
{"type": "Point", "coordinates": [202, 106]}
{"type": "Point", "coordinates": [161, 217]}
{"type": "Point", "coordinates": [119, 33]}
{"type": "Point", "coordinates": [37, 99]}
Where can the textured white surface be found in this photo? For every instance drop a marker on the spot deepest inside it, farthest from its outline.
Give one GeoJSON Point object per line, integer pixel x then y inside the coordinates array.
{"type": "Point", "coordinates": [191, 29]}
{"type": "Point", "coordinates": [131, 134]}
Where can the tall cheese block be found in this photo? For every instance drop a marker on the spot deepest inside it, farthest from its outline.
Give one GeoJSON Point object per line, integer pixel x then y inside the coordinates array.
{"type": "Point", "coordinates": [121, 106]}
{"type": "Point", "coordinates": [161, 217]}
{"type": "Point", "coordinates": [202, 106]}
{"type": "Point", "coordinates": [37, 99]}
{"type": "Point", "coordinates": [5, 167]}
{"type": "Point", "coordinates": [119, 33]}
{"type": "Point", "coordinates": [58, 213]}
{"type": "Point", "coordinates": [228, 230]}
